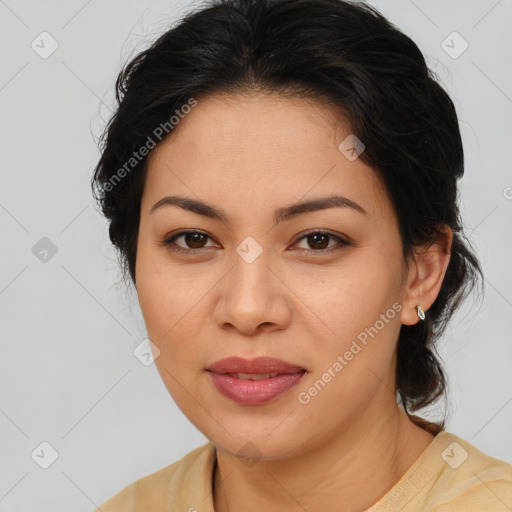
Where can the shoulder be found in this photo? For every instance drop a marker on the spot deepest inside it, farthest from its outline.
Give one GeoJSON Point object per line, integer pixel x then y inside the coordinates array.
{"type": "Point", "coordinates": [469, 479]}
{"type": "Point", "coordinates": [152, 491]}
{"type": "Point", "coordinates": [451, 475]}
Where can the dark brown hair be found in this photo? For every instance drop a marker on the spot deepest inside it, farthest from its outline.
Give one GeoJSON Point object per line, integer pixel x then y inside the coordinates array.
{"type": "Point", "coordinates": [342, 51]}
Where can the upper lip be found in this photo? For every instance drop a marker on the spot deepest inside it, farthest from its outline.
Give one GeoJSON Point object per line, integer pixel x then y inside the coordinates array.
{"type": "Point", "coordinates": [257, 365]}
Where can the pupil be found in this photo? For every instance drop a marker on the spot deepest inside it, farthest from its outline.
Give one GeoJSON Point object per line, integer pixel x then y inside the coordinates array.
{"type": "Point", "coordinates": [317, 242]}
{"type": "Point", "coordinates": [195, 239]}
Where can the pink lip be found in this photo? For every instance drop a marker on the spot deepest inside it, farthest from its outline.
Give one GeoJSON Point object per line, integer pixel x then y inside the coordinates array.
{"type": "Point", "coordinates": [254, 391]}
{"type": "Point", "coordinates": [257, 365]}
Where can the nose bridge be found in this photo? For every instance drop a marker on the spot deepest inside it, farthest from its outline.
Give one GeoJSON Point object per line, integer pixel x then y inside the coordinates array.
{"type": "Point", "coordinates": [251, 277]}
{"type": "Point", "coordinates": [251, 294]}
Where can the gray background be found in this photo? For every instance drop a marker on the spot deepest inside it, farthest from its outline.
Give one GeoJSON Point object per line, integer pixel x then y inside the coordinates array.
{"type": "Point", "coordinates": [68, 374]}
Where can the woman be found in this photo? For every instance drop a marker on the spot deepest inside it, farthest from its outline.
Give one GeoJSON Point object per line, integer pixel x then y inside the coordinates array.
{"type": "Point", "coordinates": [280, 178]}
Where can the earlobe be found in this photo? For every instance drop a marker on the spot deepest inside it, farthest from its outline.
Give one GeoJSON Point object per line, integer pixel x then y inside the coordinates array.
{"type": "Point", "coordinates": [426, 275]}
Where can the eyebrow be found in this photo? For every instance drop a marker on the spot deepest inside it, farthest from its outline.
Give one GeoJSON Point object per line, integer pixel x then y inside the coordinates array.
{"type": "Point", "coordinates": [280, 214]}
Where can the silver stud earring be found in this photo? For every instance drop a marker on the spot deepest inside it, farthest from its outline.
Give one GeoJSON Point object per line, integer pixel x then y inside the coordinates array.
{"type": "Point", "coordinates": [420, 312]}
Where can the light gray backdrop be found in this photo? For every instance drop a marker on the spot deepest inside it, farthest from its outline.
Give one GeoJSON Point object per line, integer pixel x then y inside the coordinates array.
{"type": "Point", "coordinates": [68, 374]}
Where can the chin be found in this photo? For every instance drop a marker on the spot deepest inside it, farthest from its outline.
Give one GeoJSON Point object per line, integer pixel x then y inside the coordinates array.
{"type": "Point", "coordinates": [259, 440]}
{"type": "Point", "coordinates": [254, 448]}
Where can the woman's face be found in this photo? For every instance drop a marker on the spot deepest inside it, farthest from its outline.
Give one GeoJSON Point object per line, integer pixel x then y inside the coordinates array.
{"type": "Point", "coordinates": [256, 284]}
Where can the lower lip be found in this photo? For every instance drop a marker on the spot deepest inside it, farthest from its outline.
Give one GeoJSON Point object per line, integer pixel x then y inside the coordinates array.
{"type": "Point", "coordinates": [254, 391]}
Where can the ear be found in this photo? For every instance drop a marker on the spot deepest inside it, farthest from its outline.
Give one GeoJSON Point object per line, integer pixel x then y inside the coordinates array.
{"type": "Point", "coordinates": [426, 274]}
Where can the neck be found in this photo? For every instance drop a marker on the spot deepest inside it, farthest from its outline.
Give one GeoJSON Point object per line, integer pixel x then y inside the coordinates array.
{"type": "Point", "coordinates": [355, 469]}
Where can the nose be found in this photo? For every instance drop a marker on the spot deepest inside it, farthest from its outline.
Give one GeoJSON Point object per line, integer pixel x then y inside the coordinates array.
{"type": "Point", "coordinates": [253, 298]}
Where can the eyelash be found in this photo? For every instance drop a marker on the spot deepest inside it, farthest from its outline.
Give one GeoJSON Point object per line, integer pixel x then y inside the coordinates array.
{"type": "Point", "coordinates": [169, 242]}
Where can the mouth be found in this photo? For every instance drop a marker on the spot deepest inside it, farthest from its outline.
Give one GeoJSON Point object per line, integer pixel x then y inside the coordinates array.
{"type": "Point", "coordinates": [269, 366]}
{"type": "Point", "coordinates": [256, 381]}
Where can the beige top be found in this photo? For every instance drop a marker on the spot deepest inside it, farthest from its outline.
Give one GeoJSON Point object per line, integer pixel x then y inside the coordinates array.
{"type": "Point", "coordinates": [450, 475]}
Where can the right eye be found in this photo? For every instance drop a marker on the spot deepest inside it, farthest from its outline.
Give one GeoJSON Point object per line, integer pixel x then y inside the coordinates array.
{"type": "Point", "coordinates": [194, 240]}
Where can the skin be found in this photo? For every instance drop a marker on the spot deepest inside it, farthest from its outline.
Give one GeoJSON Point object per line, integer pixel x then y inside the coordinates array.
{"type": "Point", "coordinates": [249, 155]}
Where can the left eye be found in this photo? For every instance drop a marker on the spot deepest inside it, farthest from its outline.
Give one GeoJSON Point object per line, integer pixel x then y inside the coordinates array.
{"type": "Point", "coordinates": [317, 241]}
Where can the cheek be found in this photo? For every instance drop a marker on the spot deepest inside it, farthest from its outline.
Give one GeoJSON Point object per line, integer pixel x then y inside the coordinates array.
{"type": "Point", "coordinates": [166, 293]}
{"type": "Point", "coordinates": [360, 307]}
{"type": "Point", "coordinates": [170, 305]}
{"type": "Point", "coordinates": [351, 299]}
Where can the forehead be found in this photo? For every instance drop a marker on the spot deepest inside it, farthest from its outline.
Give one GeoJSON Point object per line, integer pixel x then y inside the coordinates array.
{"type": "Point", "coordinates": [264, 149]}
